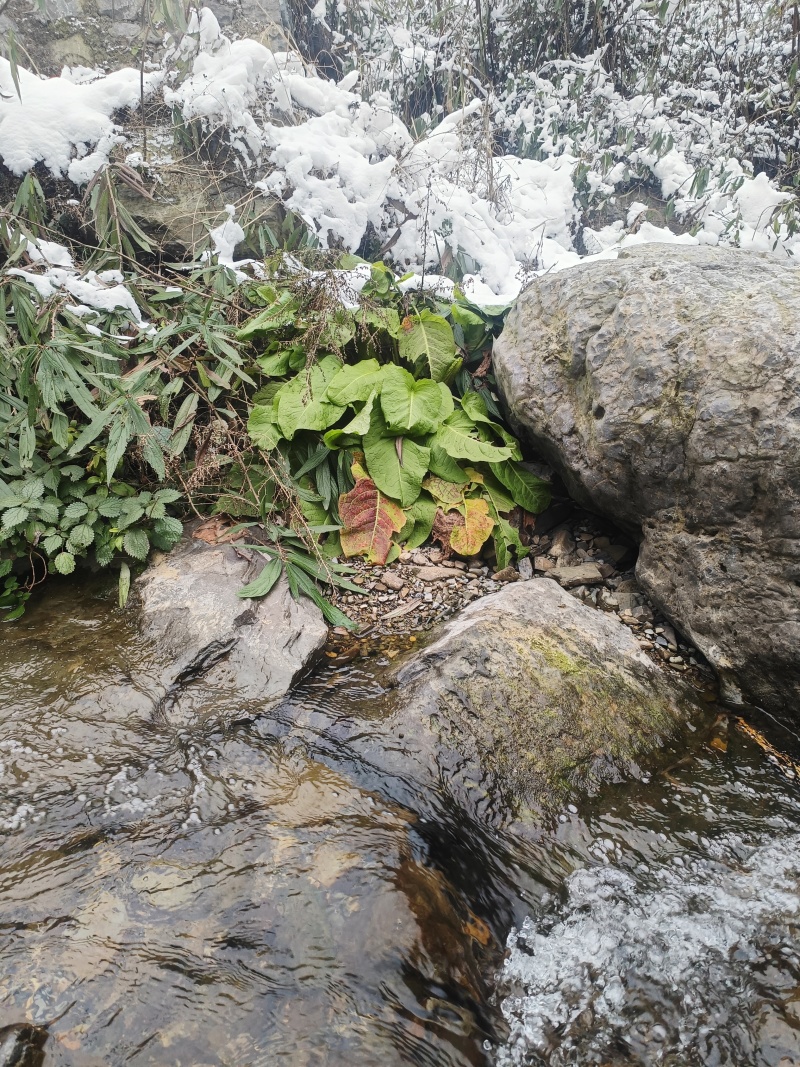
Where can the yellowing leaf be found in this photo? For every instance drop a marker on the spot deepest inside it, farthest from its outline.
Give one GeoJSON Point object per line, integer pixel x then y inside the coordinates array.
{"type": "Point", "coordinates": [444, 492]}
{"type": "Point", "coordinates": [468, 539]}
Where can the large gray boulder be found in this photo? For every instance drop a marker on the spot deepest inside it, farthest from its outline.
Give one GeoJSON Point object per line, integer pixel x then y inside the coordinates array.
{"type": "Point", "coordinates": [221, 654]}
{"type": "Point", "coordinates": [527, 698]}
{"type": "Point", "coordinates": [664, 387]}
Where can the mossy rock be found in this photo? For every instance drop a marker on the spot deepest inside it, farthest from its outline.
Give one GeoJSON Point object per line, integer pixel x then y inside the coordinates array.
{"type": "Point", "coordinates": [529, 698]}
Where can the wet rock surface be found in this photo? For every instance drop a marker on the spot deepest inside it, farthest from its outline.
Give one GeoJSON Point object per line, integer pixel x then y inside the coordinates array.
{"type": "Point", "coordinates": [220, 650]}
{"type": "Point", "coordinates": [664, 388]}
{"type": "Point", "coordinates": [525, 699]}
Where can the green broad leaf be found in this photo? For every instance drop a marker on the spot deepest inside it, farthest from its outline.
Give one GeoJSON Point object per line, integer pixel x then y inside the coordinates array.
{"type": "Point", "coordinates": [448, 403]}
{"type": "Point", "coordinates": [32, 490]}
{"type": "Point", "coordinates": [64, 563]}
{"type": "Point", "coordinates": [302, 404]}
{"type": "Point", "coordinates": [475, 406]}
{"type": "Point", "coordinates": [336, 439]}
{"type": "Point", "coordinates": [183, 425]}
{"type": "Point", "coordinates": [94, 429]}
{"type": "Point", "coordinates": [131, 513]}
{"type": "Point", "coordinates": [410, 406]}
{"type": "Point", "coordinates": [136, 543]}
{"type": "Point", "coordinates": [455, 437]}
{"type": "Point", "coordinates": [48, 512]}
{"type": "Point", "coordinates": [443, 465]}
{"type": "Point", "coordinates": [262, 585]}
{"type": "Point", "coordinates": [103, 554]}
{"type": "Point", "coordinates": [501, 499]}
{"type": "Point", "coordinates": [5, 567]}
{"type": "Point", "coordinates": [124, 584]}
{"type": "Point", "coordinates": [52, 544]}
{"type": "Point", "coordinates": [339, 329]}
{"type": "Point", "coordinates": [360, 423]}
{"type": "Point", "coordinates": [276, 365]}
{"type": "Point", "coordinates": [379, 319]}
{"type": "Point", "coordinates": [14, 517]}
{"type": "Point", "coordinates": [168, 529]}
{"type": "Point", "coordinates": [531, 493]}
{"type": "Point", "coordinates": [262, 425]}
{"type": "Point", "coordinates": [167, 496]}
{"type": "Point", "coordinates": [80, 536]}
{"type": "Point", "coordinates": [420, 517]}
{"type": "Point", "coordinates": [276, 317]}
{"type": "Point", "coordinates": [354, 382]}
{"type": "Point", "coordinates": [75, 511]}
{"type": "Point", "coordinates": [111, 508]}
{"type": "Point", "coordinates": [428, 339]}
{"type": "Point", "coordinates": [397, 465]}
{"type": "Point", "coordinates": [473, 325]}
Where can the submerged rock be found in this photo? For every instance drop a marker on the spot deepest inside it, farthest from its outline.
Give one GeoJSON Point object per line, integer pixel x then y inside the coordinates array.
{"type": "Point", "coordinates": [664, 387]}
{"type": "Point", "coordinates": [529, 696]}
{"type": "Point", "coordinates": [223, 651]}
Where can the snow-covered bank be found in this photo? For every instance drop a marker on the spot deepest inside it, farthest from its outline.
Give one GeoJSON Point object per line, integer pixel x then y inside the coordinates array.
{"type": "Point", "coordinates": [438, 197]}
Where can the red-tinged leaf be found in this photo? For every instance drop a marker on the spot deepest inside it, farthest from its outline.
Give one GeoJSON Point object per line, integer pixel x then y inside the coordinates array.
{"type": "Point", "coordinates": [468, 539]}
{"type": "Point", "coordinates": [369, 520]}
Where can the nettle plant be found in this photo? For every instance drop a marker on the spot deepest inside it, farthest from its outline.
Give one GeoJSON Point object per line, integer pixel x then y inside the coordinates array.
{"type": "Point", "coordinates": [385, 415]}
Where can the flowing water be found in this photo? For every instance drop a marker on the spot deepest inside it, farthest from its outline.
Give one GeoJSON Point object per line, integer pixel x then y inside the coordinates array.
{"type": "Point", "coordinates": [256, 892]}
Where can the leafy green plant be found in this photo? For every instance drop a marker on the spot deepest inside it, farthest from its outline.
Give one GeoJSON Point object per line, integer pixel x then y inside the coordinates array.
{"type": "Point", "coordinates": [402, 390]}
{"type": "Point", "coordinates": [60, 512]}
{"type": "Point", "coordinates": [287, 553]}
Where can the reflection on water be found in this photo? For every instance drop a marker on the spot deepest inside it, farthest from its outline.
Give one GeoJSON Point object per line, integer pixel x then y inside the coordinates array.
{"type": "Point", "coordinates": [256, 893]}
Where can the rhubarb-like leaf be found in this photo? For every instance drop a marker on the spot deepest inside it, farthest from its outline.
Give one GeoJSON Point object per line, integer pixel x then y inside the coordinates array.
{"type": "Point", "coordinates": [370, 519]}
{"type": "Point", "coordinates": [410, 406]}
{"type": "Point", "coordinates": [396, 464]}
{"type": "Point", "coordinates": [428, 338]}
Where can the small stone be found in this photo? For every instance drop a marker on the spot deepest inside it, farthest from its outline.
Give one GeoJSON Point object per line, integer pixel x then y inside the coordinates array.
{"type": "Point", "coordinates": [617, 552]}
{"type": "Point", "coordinates": [583, 574]}
{"type": "Point", "coordinates": [606, 569]}
{"type": "Point", "coordinates": [542, 563]}
{"type": "Point", "coordinates": [393, 581]}
{"type": "Point", "coordinates": [433, 574]}
{"type": "Point", "coordinates": [525, 568]}
{"type": "Point", "coordinates": [359, 579]}
{"type": "Point", "coordinates": [404, 557]}
{"type": "Point", "coordinates": [563, 545]}
{"type": "Point", "coordinates": [507, 574]}
{"type": "Point", "coordinates": [435, 555]}
{"type": "Point", "coordinates": [676, 659]}
{"type": "Point", "coordinates": [644, 643]}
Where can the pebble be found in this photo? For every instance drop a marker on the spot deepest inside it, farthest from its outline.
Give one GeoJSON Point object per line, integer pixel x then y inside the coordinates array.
{"type": "Point", "coordinates": [525, 568]}
{"type": "Point", "coordinates": [432, 574]}
{"type": "Point", "coordinates": [543, 564]}
{"type": "Point", "coordinates": [507, 574]}
{"type": "Point", "coordinates": [392, 581]}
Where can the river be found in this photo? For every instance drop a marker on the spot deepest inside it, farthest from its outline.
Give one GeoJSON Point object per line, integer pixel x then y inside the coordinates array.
{"type": "Point", "coordinates": [253, 892]}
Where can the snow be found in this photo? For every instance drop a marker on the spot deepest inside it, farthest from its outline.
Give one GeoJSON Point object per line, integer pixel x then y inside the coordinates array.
{"type": "Point", "coordinates": [92, 291]}
{"type": "Point", "coordinates": [340, 157]}
{"type": "Point", "coordinates": [55, 121]}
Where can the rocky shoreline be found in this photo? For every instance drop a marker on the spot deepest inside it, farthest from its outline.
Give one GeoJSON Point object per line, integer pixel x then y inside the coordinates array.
{"type": "Point", "coordinates": [580, 551]}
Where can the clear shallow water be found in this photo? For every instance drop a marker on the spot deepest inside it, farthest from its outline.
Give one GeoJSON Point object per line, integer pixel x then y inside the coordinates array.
{"type": "Point", "coordinates": [259, 893]}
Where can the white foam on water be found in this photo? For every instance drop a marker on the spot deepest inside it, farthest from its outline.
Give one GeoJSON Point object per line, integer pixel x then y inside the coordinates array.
{"type": "Point", "coordinates": [648, 956]}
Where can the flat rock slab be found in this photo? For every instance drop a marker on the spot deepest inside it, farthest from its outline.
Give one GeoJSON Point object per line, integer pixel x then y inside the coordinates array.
{"type": "Point", "coordinates": [664, 387]}
{"type": "Point", "coordinates": [222, 653]}
{"type": "Point", "coordinates": [581, 574]}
